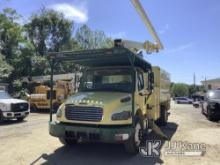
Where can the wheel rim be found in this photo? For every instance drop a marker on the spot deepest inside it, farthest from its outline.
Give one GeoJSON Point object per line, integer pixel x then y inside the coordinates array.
{"type": "Point", "coordinates": [138, 134]}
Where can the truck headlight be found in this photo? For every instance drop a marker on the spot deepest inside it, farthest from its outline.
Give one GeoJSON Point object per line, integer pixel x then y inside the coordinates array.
{"type": "Point", "coordinates": [3, 106]}
{"type": "Point", "coordinates": [60, 111]}
{"type": "Point", "coordinates": [125, 115]}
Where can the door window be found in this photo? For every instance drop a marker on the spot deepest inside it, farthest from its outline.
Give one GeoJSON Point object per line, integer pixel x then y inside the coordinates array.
{"type": "Point", "coordinates": [140, 81]}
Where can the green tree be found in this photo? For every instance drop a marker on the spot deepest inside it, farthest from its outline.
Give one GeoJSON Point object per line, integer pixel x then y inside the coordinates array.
{"type": "Point", "coordinates": [5, 68]}
{"type": "Point", "coordinates": [10, 33]}
{"type": "Point", "coordinates": [27, 63]}
{"type": "Point", "coordinates": [202, 88]}
{"type": "Point", "coordinates": [89, 39]}
{"type": "Point", "coordinates": [50, 31]}
{"type": "Point", "coordinates": [192, 89]}
{"type": "Point", "coordinates": [179, 89]}
{"type": "Point", "coordinates": [40, 66]}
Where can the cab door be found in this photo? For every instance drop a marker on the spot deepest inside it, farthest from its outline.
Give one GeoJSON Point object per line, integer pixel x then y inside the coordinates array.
{"type": "Point", "coordinates": [141, 92]}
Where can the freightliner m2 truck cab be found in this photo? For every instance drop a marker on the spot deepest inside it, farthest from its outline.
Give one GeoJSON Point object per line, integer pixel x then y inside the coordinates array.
{"type": "Point", "coordinates": [120, 98]}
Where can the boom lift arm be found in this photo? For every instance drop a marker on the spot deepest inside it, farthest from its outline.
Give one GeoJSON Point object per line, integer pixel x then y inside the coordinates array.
{"type": "Point", "coordinates": [147, 45]}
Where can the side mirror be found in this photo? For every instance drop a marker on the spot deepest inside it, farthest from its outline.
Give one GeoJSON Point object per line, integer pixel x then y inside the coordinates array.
{"type": "Point", "coordinates": [151, 81]}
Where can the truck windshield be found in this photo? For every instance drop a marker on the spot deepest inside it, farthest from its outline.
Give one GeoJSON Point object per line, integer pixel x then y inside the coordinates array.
{"type": "Point", "coordinates": [4, 95]}
{"type": "Point", "coordinates": [106, 80]}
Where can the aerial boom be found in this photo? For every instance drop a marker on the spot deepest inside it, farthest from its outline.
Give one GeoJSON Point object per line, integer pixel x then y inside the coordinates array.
{"type": "Point", "coordinates": [147, 22]}
{"type": "Point", "coordinates": [148, 46]}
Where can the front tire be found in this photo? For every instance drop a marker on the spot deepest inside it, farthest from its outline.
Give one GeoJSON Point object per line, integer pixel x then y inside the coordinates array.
{"type": "Point", "coordinates": [209, 115]}
{"type": "Point", "coordinates": [133, 143]}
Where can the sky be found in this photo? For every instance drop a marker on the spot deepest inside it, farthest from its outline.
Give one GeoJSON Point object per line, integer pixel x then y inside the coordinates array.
{"type": "Point", "coordinates": [189, 29]}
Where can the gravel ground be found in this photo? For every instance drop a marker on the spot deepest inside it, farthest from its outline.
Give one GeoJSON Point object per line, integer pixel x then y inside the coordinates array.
{"type": "Point", "coordinates": [28, 142]}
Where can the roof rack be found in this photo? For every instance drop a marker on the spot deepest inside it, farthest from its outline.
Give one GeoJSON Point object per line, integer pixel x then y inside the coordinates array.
{"type": "Point", "coordinates": [116, 56]}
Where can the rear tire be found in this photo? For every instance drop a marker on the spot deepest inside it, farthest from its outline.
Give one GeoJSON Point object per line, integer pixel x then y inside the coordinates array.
{"type": "Point", "coordinates": [67, 142]}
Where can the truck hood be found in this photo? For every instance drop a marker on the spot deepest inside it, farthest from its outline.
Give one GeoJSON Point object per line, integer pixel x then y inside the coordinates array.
{"type": "Point", "coordinates": [12, 101]}
{"type": "Point", "coordinates": [110, 102]}
{"type": "Point", "coordinates": [215, 100]}
{"type": "Point", "coordinates": [96, 98]}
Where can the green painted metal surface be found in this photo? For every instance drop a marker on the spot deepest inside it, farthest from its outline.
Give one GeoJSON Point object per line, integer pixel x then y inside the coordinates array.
{"type": "Point", "coordinates": [117, 56]}
{"type": "Point", "coordinates": [107, 133]}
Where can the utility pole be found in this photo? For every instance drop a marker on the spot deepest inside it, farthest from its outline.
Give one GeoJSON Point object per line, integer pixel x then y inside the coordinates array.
{"type": "Point", "coordinates": [194, 81]}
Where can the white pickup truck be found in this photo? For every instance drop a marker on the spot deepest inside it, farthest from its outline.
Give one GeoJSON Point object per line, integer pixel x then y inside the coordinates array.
{"type": "Point", "coordinates": [11, 108]}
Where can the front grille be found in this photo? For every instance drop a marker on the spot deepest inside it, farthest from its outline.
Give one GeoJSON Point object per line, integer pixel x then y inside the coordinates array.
{"type": "Point", "coordinates": [81, 113]}
{"type": "Point", "coordinates": [19, 107]}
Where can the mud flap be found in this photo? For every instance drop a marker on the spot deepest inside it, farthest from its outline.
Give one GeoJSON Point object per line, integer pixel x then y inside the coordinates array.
{"type": "Point", "coordinates": [157, 130]}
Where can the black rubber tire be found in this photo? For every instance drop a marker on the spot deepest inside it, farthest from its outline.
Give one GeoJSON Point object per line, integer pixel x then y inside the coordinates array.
{"type": "Point", "coordinates": [163, 116]}
{"type": "Point", "coordinates": [33, 108]}
{"type": "Point", "coordinates": [67, 142]}
{"type": "Point", "coordinates": [129, 145]}
{"type": "Point", "coordinates": [196, 106]}
{"type": "Point", "coordinates": [209, 115]}
{"type": "Point", "coordinates": [20, 119]}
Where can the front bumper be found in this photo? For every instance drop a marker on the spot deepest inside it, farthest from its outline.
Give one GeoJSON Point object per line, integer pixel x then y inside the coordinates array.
{"type": "Point", "coordinates": [109, 134]}
{"type": "Point", "coordinates": [12, 115]}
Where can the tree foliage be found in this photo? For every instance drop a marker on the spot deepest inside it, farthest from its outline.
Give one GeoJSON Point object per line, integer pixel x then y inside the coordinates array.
{"type": "Point", "coordinates": [50, 31]}
{"type": "Point", "coordinates": [5, 69]}
{"type": "Point", "coordinates": [180, 89]}
{"type": "Point", "coordinates": [89, 39]}
{"type": "Point", "coordinates": [10, 33]}
{"type": "Point", "coordinates": [23, 47]}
